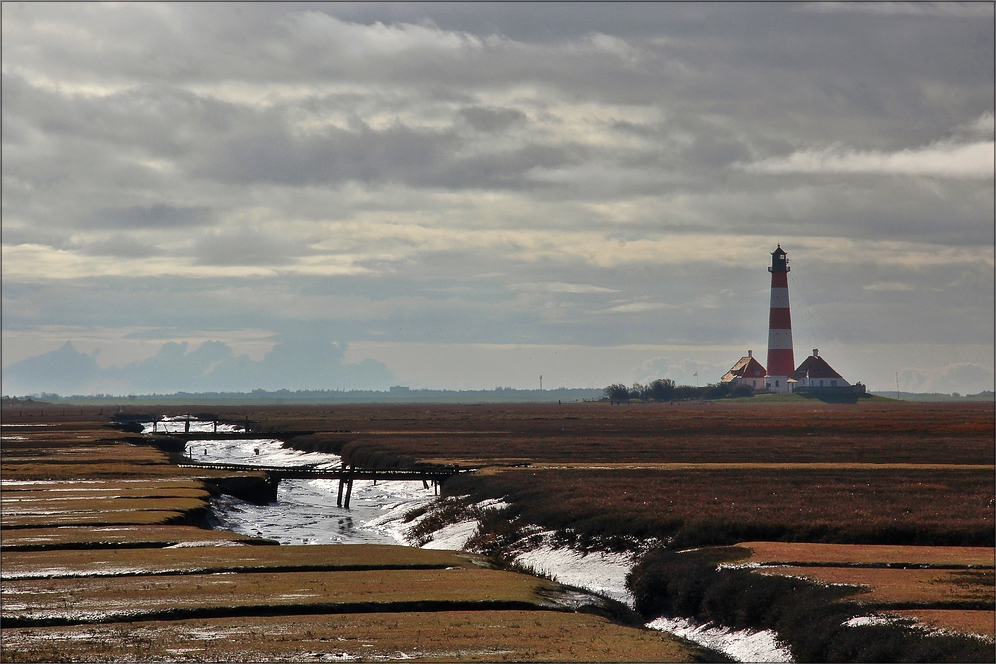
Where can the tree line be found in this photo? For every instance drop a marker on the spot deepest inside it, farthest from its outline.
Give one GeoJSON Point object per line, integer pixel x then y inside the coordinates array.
{"type": "Point", "coordinates": [664, 389]}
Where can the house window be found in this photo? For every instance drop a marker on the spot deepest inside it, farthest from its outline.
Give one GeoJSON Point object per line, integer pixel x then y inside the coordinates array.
{"type": "Point", "coordinates": [821, 383]}
{"type": "Point", "coordinates": [833, 383]}
{"type": "Point", "coordinates": [776, 383]}
{"type": "Point", "coordinates": [754, 383]}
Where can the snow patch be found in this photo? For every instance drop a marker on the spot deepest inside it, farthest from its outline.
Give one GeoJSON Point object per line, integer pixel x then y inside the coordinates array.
{"type": "Point", "coordinates": [454, 536]}
{"type": "Point", "coordinates": [195, 544]}
{"type": "Point", "coordinates": [742, 645]}
{"type": "Point", "coordinates": [30, 425]}
{"type": "Point", "coordinates": [333, 656]}
{"type": "Point", "coordinates": [864, 621]}
{"type": "Point", "coordinates": [723, 566]}
{"type": "Point", "coordinates": [600, 572]}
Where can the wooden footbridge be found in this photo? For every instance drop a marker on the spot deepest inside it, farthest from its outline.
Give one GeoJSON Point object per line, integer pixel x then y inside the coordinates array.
{"type": "Point", "coordinates": [345, 474]}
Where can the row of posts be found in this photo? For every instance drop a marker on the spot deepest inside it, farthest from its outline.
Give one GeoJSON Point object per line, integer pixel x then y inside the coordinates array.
{"type": "Point", "coordinates": [186, 426]}
{"type": "Point", "coordinates": [346, 480]}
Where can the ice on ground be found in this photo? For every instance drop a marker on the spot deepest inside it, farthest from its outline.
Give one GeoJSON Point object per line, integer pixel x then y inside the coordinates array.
{"type": "Point", "coordinates": [864, 621]}
{"type": "Point", "coordinates": [31, 425]}
{"type": "Point", "coordinates": [742, 645]}
{"type": "Point", "coordinates": [392, 522]}
{"type": "Point", "coordinates": [600, 572]}
{"type": "Point", "coordinates": [257, 451]}
{"type": "Point", "coordinates": [454, 536]}
{"type": "Point", "coordinates": [753, 565]}
{"type": "Point", "coordinates": [306, 513]}
{"type": "Point", "coordinates": [196, 544]}
{"type": "Point", "coordinates": [492, 504]}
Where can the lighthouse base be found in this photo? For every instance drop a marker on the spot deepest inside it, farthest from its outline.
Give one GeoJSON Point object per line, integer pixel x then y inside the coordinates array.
{"type": "Point", "coordinates": [779, 384]}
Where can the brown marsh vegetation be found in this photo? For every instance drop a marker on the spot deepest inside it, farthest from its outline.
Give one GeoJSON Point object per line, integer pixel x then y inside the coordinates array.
{"type": "Point", "coordinates": [113, 592]}
{"type": "Point", "coordinates": [877, 485]}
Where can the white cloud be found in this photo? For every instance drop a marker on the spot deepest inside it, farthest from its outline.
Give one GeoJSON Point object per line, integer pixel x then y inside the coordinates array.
{"type": "Point", "coordinates": [615, 45]}
{"type": "Point", "coordinates": [636, 307]}
{"type": "Point", "coordinates": [895, 286]}
{"type": "Point", "coordinates": [231, 167]}
{"type": "Point", "coordinates": [561, 287]}
{"type": "Point", "coordinates": [941, 159]}
{"type": "Point", "coordinates": [355, 40]}
{"type": "Point", "coordinates": [961, 377]}
{"type": "Point", "coordinates": [984, 125]}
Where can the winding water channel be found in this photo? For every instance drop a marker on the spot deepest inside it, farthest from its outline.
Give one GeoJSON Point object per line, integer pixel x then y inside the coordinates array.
{"type": "Point", "coordinates": [306, 513]}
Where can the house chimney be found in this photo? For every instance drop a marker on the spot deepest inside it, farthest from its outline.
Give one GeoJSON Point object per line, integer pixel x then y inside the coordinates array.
{"type": "Point", "coordinates": [750, 353]}
{"type": "Point", "coordinates": [816, 352]}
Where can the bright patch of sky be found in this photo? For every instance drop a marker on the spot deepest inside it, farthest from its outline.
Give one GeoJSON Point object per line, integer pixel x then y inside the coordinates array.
{"type": "Point", "coordinates": [361, 195]}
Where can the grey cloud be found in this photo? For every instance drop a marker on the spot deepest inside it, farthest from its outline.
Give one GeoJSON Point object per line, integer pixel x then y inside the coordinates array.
{"type": "Point", "coordinates": [338, 155]}
{"type": "Point", "coordinates": [120, 246]}
{"type": "Point", "coordinates": [710, 152]}
{"type": "Point", "coordinates": [191, 119]}
{"type": "Point", "coordinates": [398, 154]}
{"type": "Point", "coordinates": [491, 119]}
{"type": "Point", "coordinates": [247, 247]}
{"type": "Point", "coordinates": [160, 215]}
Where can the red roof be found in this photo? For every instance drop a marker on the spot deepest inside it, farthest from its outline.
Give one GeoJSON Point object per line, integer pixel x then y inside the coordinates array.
{"type": "Point", "coordinates": [815, 366]}
{"type": "Point", "coordinates": [746, 367]}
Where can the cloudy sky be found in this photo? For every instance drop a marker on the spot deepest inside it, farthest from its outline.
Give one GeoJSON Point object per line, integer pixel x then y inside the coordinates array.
{"type": "Point", "coordinates": [237, 196]}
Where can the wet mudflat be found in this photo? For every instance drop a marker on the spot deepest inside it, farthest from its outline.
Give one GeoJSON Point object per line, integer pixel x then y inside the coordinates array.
{"type": "Point", "coordinates": [105, 559]}
{"type": "Point", "coordinates": [730, 512]}
{"type": "Point", "coordinates": [441, 636]}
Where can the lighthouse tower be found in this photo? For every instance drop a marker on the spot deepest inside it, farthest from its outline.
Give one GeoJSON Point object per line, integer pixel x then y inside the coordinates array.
{"type": "Point", "coordinates": [781, 361]}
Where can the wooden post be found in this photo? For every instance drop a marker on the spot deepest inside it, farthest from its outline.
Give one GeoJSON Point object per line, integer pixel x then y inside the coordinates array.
{"type": "Point", "coordinates": [349, 491]}
{"type": "Point", "coordinates": [338, 500]}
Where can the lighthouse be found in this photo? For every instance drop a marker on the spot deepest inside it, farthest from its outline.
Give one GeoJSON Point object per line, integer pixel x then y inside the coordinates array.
{"type": "Point", "coordinates": [781, 360]}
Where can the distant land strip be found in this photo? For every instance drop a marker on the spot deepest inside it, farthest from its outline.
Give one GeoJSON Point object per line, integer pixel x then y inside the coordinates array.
{"type": "Point", "coordinates": [820, 465]}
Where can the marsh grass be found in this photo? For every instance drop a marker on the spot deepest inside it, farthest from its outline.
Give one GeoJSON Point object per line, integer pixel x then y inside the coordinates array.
{"type": "Point", "coordinates": [113, 599]}
{"type": "Point", "coordinates": [591, 508]}
{"type": "Point", "coordinates": [123, 536]}
{"type": "Point", "coordinates": [83, 562]}
{"type": "Point", "coordinates": [487, 636]}
{"type": "Point", "coordinates": [808, 616]}
{"type": "Point", "coordinates": [869, 554]}
{"type": "Point", "coordinates": [731, 432]}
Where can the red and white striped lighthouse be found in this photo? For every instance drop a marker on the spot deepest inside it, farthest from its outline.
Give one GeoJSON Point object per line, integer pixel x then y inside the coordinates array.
{"type": "Point", "coordinates": [781, 360]}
